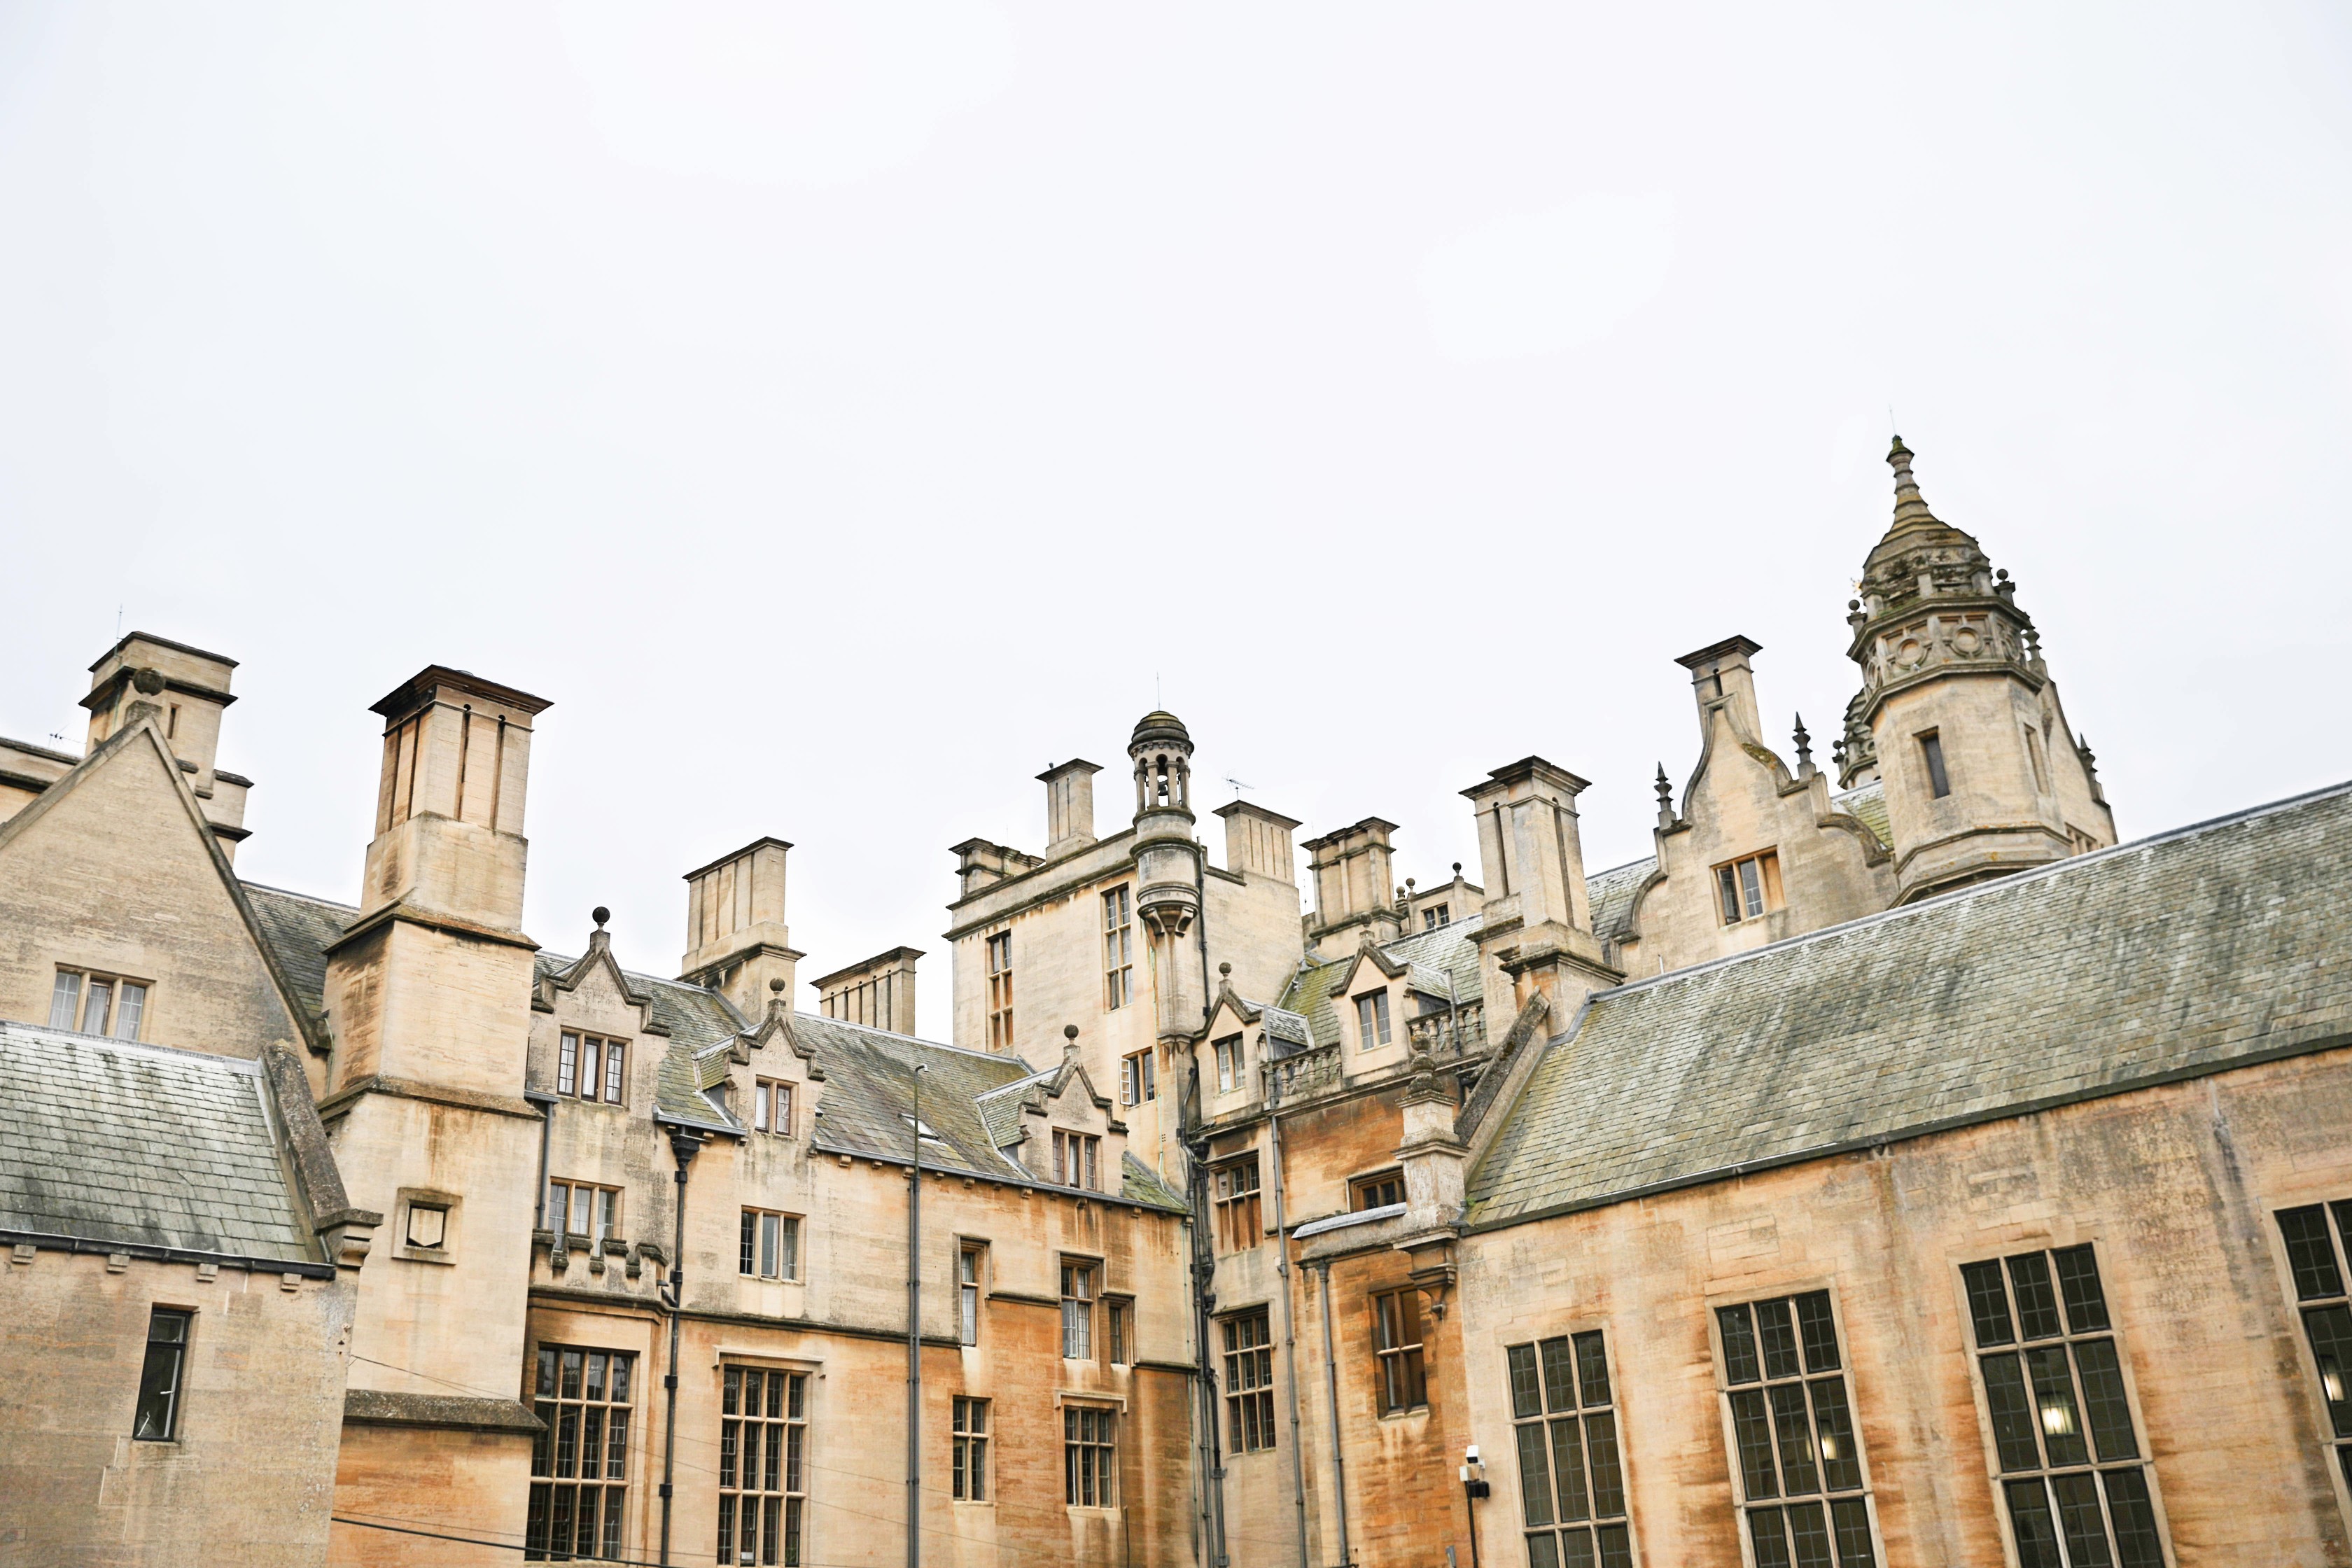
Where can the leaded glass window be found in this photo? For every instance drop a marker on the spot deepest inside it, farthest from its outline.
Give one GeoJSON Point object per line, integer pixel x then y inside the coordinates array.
{"type": "Point", "coordinates": [1571, 1484]}
{"type": "Point", "coordinates": [1797, 1456]}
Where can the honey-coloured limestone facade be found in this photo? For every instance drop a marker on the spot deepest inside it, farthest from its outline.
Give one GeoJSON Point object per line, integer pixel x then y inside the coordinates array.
{"type": "Point", "coordinates": [1888, 1169]}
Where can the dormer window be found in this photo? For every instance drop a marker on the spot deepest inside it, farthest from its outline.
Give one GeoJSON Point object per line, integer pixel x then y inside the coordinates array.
{"type": "Point", "coordinates": [592, 1068]}
{"type": "Point", "coordinates": [772, 1108]}
{"type": "Point", "coordinates": [1749, 888]}
{"type": "Point", "coordinates": [1077, 1160]}
{"type": "Point", "coordinates": [1372, 1020]}
{"type": "Point", "coordinates": [1229, 1064]}
{"type": "Point", "coordinates": [1435, 915]}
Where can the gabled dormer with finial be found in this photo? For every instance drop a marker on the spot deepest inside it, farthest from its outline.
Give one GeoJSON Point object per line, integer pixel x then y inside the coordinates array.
{"type": "Point", "coordinates": [1957, 715]}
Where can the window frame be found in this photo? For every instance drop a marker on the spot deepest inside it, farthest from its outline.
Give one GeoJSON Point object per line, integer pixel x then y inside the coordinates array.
{"type": "Point", "coordinates": [1240, 1209]}
{"type": "Point", "coordinates": [773, 1106]}
{"type": "Point", "coordinates": [971, 1289]}
{"type": "Point", "coordinates": [1138, 1077]}
{"type": "Point", "coordinates": [1119, 947]}
{"type": "Point", "coordinates": [1573, 1336]}
{"type": "Point", "coordinates": [1372, 1183]}
{"type": "Point", "coordinates": [1090, 1427]}
{"type": "Point", "coordinates": [1117, 1329]}
{"type": "Point", "coordinates": [604, 1212]}
{"type": "Point", "coordinates": [1248, 1385]}
{"type": "Point", "coordinates": [576, 1050]}
{"type": "Point", "coordinates": [1077, 1160]}
{"type": "Point", "coordinates": [1409, 1354]}
{"type": "Point", "coordinates": [1938, 767]}
{"type": "Point", "coordinates": [1735, 890]}
{"type": "Point", "coordinates": [1373, 1018]}
{"type": "Point", "coordinates": [787, 1499]}
{"type": "Point", "coordinates": [969, 1433]}
{"type": "Point", "coordinates": [1231, 1059]}
{"type": "Point", "coordinates": [564, 1443]}
{"type": "Point", "coordinates": [1078, 1326]}
{"type": "Point", "coordinates": [175, 1353]}
{"type": "Point", "coordinates": [753, 1239]}
{"type": "Point", "coordinates": [1742, 1503]}
{"type": "Point", "coordinates": [117, 989]}
{"type": "Point", "coordinates": [2335, 1218]}
{"type": "Point", "coordinates": [2000, 1477]}
{"type": "Point", "coordinates": [996, 962]}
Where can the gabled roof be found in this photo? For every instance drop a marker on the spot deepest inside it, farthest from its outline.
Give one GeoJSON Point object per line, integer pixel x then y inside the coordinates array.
{"type": "Point", "coordinates": [2188, 953]}
{"type": "Point", "coordinates": [1866, 805]}
{"type": "Point", "coordinates": [1426, 958]}
{"type": "Point", "coordinates": [1611, 893]}
{"type": "Point", "coordinates": [109, 1141]}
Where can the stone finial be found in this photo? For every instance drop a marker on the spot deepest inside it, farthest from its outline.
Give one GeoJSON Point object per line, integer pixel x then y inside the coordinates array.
{"type": "Point", "coordinates": [1069, 1042]}
{"type": "Point", "coordinates": [1805, 768]}
{"type": "Point", "coordinates": [600, 938]}
{"type": "Point", "coordinates": [1665, 799]}
{"type": "Point", "coordinates": [1910, 506]}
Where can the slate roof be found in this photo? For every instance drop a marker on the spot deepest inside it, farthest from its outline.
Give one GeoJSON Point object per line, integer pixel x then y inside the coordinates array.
{"type": "Point", "coordinates": [298, 929]}
{"type": "Point", "coordinates": [148, 1145]}
{"type": "Point", "coordinates": [1611, 893]}
{"type": "Point", "coordinates": [1430, 955]}
{"type": "Point", "coordinates": [1866, 805]}
{"type": "Point", "coordinates": [2178, 955]}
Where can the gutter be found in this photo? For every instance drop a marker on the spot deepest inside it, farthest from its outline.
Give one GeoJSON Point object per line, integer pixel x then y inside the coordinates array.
{"type": "Point", "coordinates": [47, 1242]}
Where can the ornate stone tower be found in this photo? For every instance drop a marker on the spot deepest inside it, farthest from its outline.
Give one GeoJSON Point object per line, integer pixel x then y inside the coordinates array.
{"type": "Point", "coordinates": [1167, 867]}
{"type": "Point", "coordinates": [1957, 714]}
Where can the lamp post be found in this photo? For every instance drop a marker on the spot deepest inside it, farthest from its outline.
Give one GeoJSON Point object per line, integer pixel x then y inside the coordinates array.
{"type": "Point", "coordinates": [685, 1142]}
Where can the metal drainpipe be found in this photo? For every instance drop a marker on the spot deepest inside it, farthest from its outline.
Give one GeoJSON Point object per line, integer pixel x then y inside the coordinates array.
{"type": "Point", "coordinates": [1331, 1376]}
{"type": "Point", "coordinates": [1205, 1450]}
{"type": "Point", "coordinates": [546, 1103]}
{"type": "Point", "coordinates": [1290, 1324]}
{"type": "Point", "coordinates": [915, 1335]}
{"type": "Point", "coordinates": [685, 1142]}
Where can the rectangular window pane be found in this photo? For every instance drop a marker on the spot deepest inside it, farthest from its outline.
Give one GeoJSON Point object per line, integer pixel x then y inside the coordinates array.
{"type": "Point", "coordinates": [1753, 1431]}
{"type": "Point", "coordinates": [127, 1011]}
{"type": "Point", "coordinates": [1795, 1431]}
{"type": "Point", "coordinates": [1778, 1336]}
{"type": "Point", "coordinates": [2308, 1249]}
{"type": "Point", "coordinates": [1833, 1427]}
{"type": "Point", "coordinates": [2134, 1517]}
{"type": "Point", "coordinates": [1616, 1546]}
{"type": "Point", "coordinates": [2104, 1404]}
{"type": "Point", "coordinates": [1770, 1536]}
{"type": "Point", "coordinates": [1850, 1519]}
{"type": "Point", "coordinates": [2037, 1303]}
{"type": "Point", "coordinates": [2078, 1283]}
{"type": "Point", "coordinates": [2013, 1413]}
{"type": "Point", "coordinates": [1559, 1381]}
{"type": "Point", "coordinates": [1543, 1551]}
{"type": "Point", "coordinates": [1987, 1304]}
{"type": "Point", "coordinates": [96, 1004]}
{"type": "Point", "coordinates": [2330, 1331]}
{"type": "Point", "coordinates": [1727, 895]}
{"type": "Point", "coordinates": [1535, 1481]}
{"type": "Point", "coordinates": [157, 1419]}
{"type": "Point", "coordinates": [1527, 1399]}
{"type": "Point", "coordinates": [65, 1000]}
{"type": "Point", "coordinates": [2053, 1404]}
{"type": "Point", "coordinates": [1739, 1361]}
{"type": "Point", "coordinates": [1568, 1465]}
{"type": "Point", "coordinates": [1751, 889]}
{"type": "Point", "coordinates": [2031, 1526]}
{"type": "Point", "coordinates": [1817, 1329]}
{"type": "Point", "coordinates": [1601, 1451]}
{"type": "Point", "coordinates": [2080, 1521]}
{"type": "Point", "coordinates": [1593, 1367]}
{"type": "Point", "coordinates": [1809, 1536]}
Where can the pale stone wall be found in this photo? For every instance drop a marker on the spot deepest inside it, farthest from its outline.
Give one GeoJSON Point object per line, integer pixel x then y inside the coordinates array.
{"type": "Point", "coordinates": [262, 1399]}
{"type": "Point", "coordinates": [115, 876]}
{"type": "Point", "coordinates": [2178, 1187]}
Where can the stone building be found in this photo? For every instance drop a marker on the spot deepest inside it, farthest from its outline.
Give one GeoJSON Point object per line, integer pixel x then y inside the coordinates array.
{"type": "Point", "coordinates": [1895, 1171]}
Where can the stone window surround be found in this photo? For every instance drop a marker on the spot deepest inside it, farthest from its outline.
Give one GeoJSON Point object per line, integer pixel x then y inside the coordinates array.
{"type": "Point", "coordinates": [452, 1207]}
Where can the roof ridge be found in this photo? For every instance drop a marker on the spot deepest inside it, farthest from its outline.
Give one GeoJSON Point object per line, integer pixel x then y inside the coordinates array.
{"type": "Point", "coordinates": [916, 1039]}
{"type": "Point", "coordinates": [306, 898]}
{"type": "Point", "coordinates": [1986, 888]}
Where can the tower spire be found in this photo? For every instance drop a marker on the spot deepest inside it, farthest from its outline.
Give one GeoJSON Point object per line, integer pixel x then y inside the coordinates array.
{"type": "Point", "coordinates": [1910, 506]}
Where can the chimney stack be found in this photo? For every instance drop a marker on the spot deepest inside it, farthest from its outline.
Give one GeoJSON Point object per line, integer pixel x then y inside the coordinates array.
{"type": "Point", "coordinates": [1257, 841]}
{"type": "Point", "coordinates": [1537, 930]}
{"type": "Point", "coordinates": [1069, 807]}
{"type": "Point", "coordinates": [878, 993]}
{"type": "Point", "coordinates": [1352, 870]}
{"type": "Point", "coordinates": [736, 940]}
{"type": "Point", "coordinates": [189, 689]}
{"type": "Point", "coordinates": [449, 799]}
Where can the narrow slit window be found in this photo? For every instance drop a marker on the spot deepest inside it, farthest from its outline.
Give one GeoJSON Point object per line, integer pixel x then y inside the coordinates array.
{"type": "Point", "coordinates": [1118, 948]}
{"type": "Point", "coordinates": [1397, 1350]}
{"type": "Point", "coordinates": [1931, 752]}
{"type": "Point", "coordinates": [968, 1266]}
{"type": "Point", "coordinates": [999, 950]}
{"type": "Point", "coordinates": [971, 1464]}
{"type": "Point", "coordinates": [158, 1417]}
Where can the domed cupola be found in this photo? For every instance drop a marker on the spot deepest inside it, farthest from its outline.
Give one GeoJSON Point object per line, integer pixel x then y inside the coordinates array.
{"type": "Point", "coordinates": [1956, 713]}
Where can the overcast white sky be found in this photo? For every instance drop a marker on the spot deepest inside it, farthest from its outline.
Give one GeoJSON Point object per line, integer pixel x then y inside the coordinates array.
{"type": "Point", "coordinates": [841, 413]}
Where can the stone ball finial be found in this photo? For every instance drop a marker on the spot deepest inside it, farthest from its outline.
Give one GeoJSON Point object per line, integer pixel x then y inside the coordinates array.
{"type": "Point", "coordinates": [147, 681]}
{"type": "Point", "coordinates": [1224, 969]}
{"type": "Point", "coordinates": [1069, 1031]}
{"type": "Point", "coordinates": [1457, 867]}
{"type": "Point", "coordinates": [600, 914]}
{"type": "Point", "coordinates": [777, 984]}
